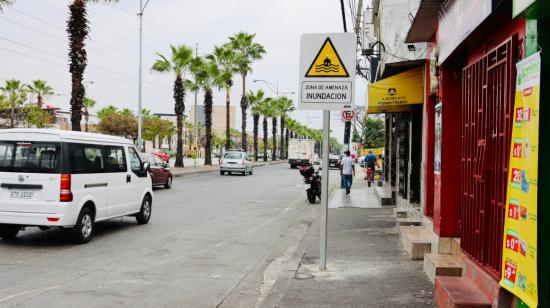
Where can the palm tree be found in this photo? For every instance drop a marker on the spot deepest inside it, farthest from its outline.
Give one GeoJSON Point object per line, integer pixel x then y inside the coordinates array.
{"type": "Point", "coordinates": [284, 106]}
{"type": "Point", "coordinates": [265, 111]}
{"type": "Point", "coordinates": [177, 64]}
{"type": "Point", "coordinates": [78, 29]}
{"type": "Point", "coordinates": [15, 93]}
{"type": "Point", "coordinates": [226, 59]}
{"type": "Point", "coordinates": [273, 112]}
{"type": "Point", "coordinates": [41, 89]}
{"type": "Point", "coordinates": [210, 77]}
{"type": "Point", "coordinates": [88, 104]}
{"type": "Point", "coordinates": [257, 102]}
{"type": "Point", "coordinates": [193, 86]}
{"type": "Point", "coordinates": [246, 52]}
{"type": "Point", "coordinates": [4, 3]}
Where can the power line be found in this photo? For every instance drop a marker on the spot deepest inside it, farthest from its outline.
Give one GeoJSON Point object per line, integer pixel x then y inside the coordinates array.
{"type": "Point", "coordinates": [65, 40]}
{"type": "Point", "coordinates": [63, 58]}
{"type": "Point", "coordinates": [64, 66]}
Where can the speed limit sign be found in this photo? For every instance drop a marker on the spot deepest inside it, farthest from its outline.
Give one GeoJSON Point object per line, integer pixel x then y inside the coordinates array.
{"type": "Point", "coordinates": [348, 115]}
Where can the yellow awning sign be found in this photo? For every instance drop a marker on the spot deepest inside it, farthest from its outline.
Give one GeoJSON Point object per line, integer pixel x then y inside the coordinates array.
{"type": "Point", "coordinates": [327, 63]}
{"type": "Point", "coordinates": [398, 92]}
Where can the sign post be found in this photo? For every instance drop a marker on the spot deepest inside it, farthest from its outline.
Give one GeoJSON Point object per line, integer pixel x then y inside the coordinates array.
{"type": "Point", "coordinates": [327, 82]}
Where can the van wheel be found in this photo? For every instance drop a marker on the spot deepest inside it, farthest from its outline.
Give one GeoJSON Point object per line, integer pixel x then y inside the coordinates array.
{"type": "Point", "coordinates": [222, 173]}
{"type": "Point", "coordinates": [9, 232]}
{"type": "Point", "coordinates": [84, 229]}
{"type": "Point", "coordinates": [250, 172]}
{"type": "Point", "coordinates": [168, 183]}
{"type": "Point", "coordinates": [145, 213]}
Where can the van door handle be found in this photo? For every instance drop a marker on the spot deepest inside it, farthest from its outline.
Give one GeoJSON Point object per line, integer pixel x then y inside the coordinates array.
{"type": "Point", "coordinates": [128, 178]}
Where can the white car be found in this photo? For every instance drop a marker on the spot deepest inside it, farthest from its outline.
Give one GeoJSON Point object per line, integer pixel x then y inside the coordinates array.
{"type": "Point", "coordinates": [53, 178]}
{"type": "Point", "coordinates": [236, 161]}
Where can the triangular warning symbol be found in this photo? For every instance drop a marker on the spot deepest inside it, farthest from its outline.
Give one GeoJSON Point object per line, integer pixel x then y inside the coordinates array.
{"type": "Point", "coordinates": [327, 63]}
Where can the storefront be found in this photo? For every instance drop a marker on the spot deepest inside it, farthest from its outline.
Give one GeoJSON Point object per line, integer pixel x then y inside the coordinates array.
{"type": "Point", "coordinates": [469, 118]}
{"type": "Point", "coordinates": [400, 97]}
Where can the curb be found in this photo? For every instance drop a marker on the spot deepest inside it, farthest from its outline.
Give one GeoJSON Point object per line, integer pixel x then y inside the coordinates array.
{"type": "Point", "coordinates": [198, 172]}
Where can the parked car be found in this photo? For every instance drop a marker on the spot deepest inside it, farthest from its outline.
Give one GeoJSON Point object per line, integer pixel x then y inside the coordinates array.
{"type": "Point", "coordinates": [52, 178]}
{"type": "Point", "coordinates": [236, 161]}
{"type": "Point", "coordinates": [162, 155]}
{"type": "Point", "coordinates": [159, 171]}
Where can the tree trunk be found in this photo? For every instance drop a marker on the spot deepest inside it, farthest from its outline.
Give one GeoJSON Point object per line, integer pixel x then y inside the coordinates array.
{"type": "Point", "coordinates": [39, 100]}
{"type": "Point", "coordinates": [77, 28]}
{"type": "Point", "coordinates": [179, 109]}
{"type": "Point", "coordinates": [86, 118]}
{"type": "Point", "coordinates": [282, 145]}
{"type": "Point", "coordinates": [244, 107]}
{"type": "Point", "coordinates": [208, 127]}
{"type": "Point", "coordinates": [228, 117]}
{"type": "Point", "coordinates": [274, 132]}
{"type": "Point", "coordinates": [256, 123]}
{"type": "Point", "coordinates": [286, 143]}
{"type": "Point", "coordinates": [265, 138]}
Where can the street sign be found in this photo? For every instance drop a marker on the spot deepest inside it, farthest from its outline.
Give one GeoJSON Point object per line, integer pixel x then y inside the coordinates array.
{"type": "Point", "coordinates": [327, 82]}
{"type": "Point", "coordinates": [327, 71]}
{"type": "Point", "coordinates": [348, 115]}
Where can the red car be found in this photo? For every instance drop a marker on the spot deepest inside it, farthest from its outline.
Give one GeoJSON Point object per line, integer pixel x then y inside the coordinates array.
{"type": "Point", "coordinates": [159, 171]}
{"type": "Point", "coordinates": [162, 155]}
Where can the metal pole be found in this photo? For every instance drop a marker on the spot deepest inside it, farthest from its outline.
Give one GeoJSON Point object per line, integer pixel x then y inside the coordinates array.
{"type": "Point", "coordinates": [324, 191]}
{"type": "Point", "coordinates": [195, 111]}
{"type": "Point", "coordinates": [139, 142]}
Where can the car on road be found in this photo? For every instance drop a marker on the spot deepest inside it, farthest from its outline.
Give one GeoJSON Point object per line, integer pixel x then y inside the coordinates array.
{"type": "Point", "coordinates": [236, 161]}
{"type": "Point", "coordinates": [162, 155]}
{"type": "Point", "coordinates": [53, 178]}
{"type": "Point", "coordinates": [159, 171]}
{"type": "Point", "coordinates": [334, 161]}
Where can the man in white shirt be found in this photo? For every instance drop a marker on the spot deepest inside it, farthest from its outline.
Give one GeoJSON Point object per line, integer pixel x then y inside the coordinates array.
{"type": "Point", "coordinates": [347, 170]}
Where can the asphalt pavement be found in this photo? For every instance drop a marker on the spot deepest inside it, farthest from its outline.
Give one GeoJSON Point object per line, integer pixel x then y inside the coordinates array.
{"type": "Point", "coordinates": [209, 243]}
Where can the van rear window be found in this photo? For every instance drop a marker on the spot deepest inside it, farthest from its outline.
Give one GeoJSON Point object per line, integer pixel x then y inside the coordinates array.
{"type": "Point", "coordinates": [30, 157]}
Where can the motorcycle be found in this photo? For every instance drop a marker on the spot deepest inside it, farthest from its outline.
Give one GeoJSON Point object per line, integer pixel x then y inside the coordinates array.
{"type": "Point", "coordinates": [312, 178]}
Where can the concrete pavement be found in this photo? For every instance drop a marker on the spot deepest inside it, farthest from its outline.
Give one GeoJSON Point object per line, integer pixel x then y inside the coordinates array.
{"type": "Point", "coordinates": [366, 264]}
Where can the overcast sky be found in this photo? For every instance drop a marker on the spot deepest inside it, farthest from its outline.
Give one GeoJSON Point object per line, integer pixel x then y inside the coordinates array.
{"type": "Point", "coordinates": [33, 45]}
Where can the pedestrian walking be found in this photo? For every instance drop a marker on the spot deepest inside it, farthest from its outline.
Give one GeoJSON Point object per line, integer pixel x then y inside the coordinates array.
{"type": "Point", "coordinates": [347, 171]}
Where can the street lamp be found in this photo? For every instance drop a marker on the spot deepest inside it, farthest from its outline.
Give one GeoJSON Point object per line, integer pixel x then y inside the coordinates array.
{"type": "Point", "coordinates": [273, 87]}
{"type": "Point", "coordinates": [140, 14]}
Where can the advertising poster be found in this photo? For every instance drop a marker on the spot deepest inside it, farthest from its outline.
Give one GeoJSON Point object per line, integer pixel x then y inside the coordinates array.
{"type": "Point", "coordinates": [437, 145]}
{"type": "Point", "coordinates": [519, 254]}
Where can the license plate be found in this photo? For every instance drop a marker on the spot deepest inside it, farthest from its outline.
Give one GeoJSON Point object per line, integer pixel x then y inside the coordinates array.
{"type": "Point", "coordinates": [19, 194]}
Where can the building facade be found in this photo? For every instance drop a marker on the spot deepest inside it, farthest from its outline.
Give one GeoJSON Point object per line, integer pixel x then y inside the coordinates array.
{"type": "Point", "coordinates": [464, 129]}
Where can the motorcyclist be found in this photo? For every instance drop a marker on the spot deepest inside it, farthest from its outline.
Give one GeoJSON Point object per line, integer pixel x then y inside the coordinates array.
{"type": "Point", "coordinates": [370, 160]}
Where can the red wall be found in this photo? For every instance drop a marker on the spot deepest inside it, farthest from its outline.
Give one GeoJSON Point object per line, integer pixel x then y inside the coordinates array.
{"type": "Point", "coordinates": [447, 184]}
{"type": "Point", "coordinates": [446, 217]}
{"type": "Point", "coordinates": [428, 159]}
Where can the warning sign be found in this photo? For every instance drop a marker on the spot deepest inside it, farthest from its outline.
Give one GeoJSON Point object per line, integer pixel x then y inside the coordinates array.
{"type": "Point", "coordinates": [327, 63]}
{"type": "Point", "coordinates": [327, 71]}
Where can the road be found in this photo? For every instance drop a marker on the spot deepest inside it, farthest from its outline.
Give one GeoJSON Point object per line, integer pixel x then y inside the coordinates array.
{"type": "Point", "coordinates": [206, 236]}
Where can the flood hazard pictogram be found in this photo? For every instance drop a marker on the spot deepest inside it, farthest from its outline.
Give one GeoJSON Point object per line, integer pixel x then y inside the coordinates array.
{"type": "Point", "coordinates": [327, 63]}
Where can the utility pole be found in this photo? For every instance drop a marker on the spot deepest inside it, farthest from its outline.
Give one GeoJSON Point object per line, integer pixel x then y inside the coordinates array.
{"type": "Point", "coordinates": [140, 120]}
{"type": "Point", "coordinates": [195, 111]}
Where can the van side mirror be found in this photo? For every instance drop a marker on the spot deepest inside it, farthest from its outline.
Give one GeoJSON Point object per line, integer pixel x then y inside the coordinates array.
{"type": "Point", "coordinates": [145, 166]}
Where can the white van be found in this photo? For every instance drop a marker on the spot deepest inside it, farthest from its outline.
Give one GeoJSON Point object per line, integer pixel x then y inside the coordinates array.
{"type": "Point", "coordinates": [54, 178]}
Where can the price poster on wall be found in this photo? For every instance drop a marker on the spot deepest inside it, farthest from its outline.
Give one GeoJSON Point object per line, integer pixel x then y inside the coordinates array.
{"type": "Point", "coordinates": [519, 255]}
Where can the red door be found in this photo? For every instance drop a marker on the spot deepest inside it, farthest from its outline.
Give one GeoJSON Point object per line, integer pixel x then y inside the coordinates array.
{"type": "Point", "coordinates": [487, 107]}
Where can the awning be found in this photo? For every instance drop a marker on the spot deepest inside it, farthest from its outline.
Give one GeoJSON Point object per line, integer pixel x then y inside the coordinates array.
{"type": "Point", "coordinates": [398, 92]}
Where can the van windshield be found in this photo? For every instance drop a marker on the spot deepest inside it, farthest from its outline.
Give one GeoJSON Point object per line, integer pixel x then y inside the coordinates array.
{"type": "Point", "coordinates": [30, 157]}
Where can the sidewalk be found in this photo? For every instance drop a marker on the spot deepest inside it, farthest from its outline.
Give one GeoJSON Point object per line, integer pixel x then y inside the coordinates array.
{"type": "Point", "coordinates": [366, 263]}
